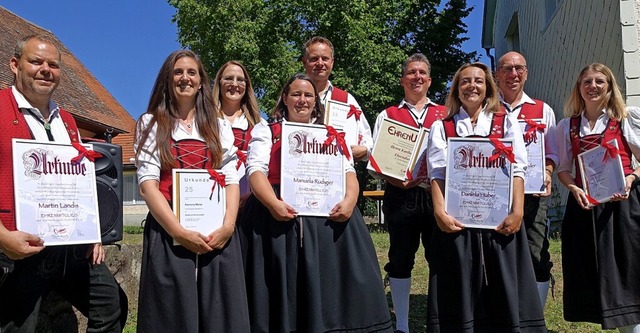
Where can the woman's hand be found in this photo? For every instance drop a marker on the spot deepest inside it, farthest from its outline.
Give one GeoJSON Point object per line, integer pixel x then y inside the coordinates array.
{"type": "Point", "coordinates": [580, 196]}
{"type": "Point", "coordinates": [193, 241]}
{"type": "Point", "coordinates": [510, 225]}
{"type": "Point", "coordinates": [342, 211]}
{"type": "Point", "coordinates": [446, 223]}
{"type": "Point", "coordinates": [281, 211]}
{"type": "Point", "coordinates": [220, 237]}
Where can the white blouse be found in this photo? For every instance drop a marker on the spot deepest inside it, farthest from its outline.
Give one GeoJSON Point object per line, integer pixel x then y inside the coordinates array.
{"type": "Point", "coordinates": [259, 153]}
{"type": "Point", "coordinates": [148, 162]}
{"type": "Point", "coordinates": [630, 131]}
{"type": "Point", "coordinates": [437, 148]}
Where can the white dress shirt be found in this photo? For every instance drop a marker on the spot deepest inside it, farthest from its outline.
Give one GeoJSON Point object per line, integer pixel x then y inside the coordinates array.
{"type": "Point", "coordinates": [36, 121]}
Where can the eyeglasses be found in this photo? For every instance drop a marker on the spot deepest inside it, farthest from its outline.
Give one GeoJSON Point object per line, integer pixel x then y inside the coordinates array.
{"type": "Point", "coordinates": [230, 79]}
{"type": "Point", "coordinates": [508, 69]}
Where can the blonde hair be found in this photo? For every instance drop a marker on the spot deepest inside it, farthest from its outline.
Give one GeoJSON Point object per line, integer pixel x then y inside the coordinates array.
{"type": "Point", "coordinates": [248, 104]}
{"type": "Point", "coordinates": [491, 100]}
{"type": "Point", "coordinates": [612, 101]}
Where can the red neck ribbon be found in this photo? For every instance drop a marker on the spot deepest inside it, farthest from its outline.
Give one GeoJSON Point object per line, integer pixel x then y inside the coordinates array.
{"type": "Point", "coordinates": [353, 111]}
{"type": "Point", "coordinates": [84, 152]}
{"type": "Point", "coordinates": [217, 178]}
{"type": "Point", "coordinates": [339, 137]}
{"type": "Point", "coordinates": [501, 149]}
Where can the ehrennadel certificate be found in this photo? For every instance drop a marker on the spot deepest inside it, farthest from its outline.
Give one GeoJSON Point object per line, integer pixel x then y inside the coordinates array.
{"type": "Point", "coordinates": [55, 193]}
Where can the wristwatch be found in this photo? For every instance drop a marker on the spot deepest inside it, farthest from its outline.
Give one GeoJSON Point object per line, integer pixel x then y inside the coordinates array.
{"type": "Point", "coordinates": [635, 177]}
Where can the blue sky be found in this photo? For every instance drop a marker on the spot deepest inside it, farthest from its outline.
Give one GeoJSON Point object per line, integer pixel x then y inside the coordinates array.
{"type": "Point", "coordinates": [124, 42]}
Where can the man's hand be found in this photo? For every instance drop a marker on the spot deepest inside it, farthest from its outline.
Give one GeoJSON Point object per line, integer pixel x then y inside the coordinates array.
{"type": "Point", "coordinates": [95, 253]}
{"type": "Point", "coordinates": [19, 245]}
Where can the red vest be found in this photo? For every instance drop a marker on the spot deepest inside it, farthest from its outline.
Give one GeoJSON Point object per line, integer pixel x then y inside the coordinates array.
{"type": "Point", "coordinates": [580, 144]}
{"type": "Point", "coordinates": [276, 153]}
{"type": "Point", "coordinates": [339, 95]}
{"type": "Point", "coordinates": [15, 126]}
{"type": "Point", "coordinates": [242, 138]}
{"type": "Point", "coordinates": [434, 112]}
{"type": "Point", "coordinates": [189, 154]}
{"type": "Point", "coordinates": [532, 111]}
{"type": "Point", "coordinates": [497, 126]}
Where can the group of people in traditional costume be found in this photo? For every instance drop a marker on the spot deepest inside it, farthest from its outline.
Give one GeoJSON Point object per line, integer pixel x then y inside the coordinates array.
{"type": "Point", "coordinates": [270, 269]}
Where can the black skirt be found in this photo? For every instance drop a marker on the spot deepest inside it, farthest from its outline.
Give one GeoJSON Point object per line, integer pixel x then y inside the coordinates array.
{"type": "Point", "coordinates": [311, 274]}
{"type": "Point", "coordinates": [600, 262]}
{"type": "Point", "coordinates": [179, 293]}
{"type": "Point", "coordinates": [482, 281]}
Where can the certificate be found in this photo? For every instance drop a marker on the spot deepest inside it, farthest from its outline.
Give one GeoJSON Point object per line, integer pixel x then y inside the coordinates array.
{"type": "Point", "coordinates": [337, 115]}
{"type": "Point", "coordinates": [312, 172]}
{"type": "Point", "coordinates": [394, 149]}
{"type": "Point", "coordinates": [601, 176]}
{"type": "Point", "coordinates": [418, 165]}
{"type": "Point", "coordinates": [198, 204]}
{"type": "Point", "coordinates": [535, 172]}
{"type": "Point", "coordinates": [55, 193]}
{"type": "Point", "coordinates": [478, 189]}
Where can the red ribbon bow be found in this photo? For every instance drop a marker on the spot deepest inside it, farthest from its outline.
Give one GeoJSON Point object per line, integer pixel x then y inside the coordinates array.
{"type": "Point", "coordinates": [534, 127]}
{"type": "Point", "coordinates": [84, 152]}
{"type": "Point", "coordinates": [610, 151]}
{"type": "Point", "coordinates": [339, 137]}
{"type": "Point", "coordinates": [501, 149]}
{"type": "Point", "coordinates": [353, 111]}
{"type": "Point", "coordinates": [217, 178]}
{"type": "Point", "coordinates": [242, 158]}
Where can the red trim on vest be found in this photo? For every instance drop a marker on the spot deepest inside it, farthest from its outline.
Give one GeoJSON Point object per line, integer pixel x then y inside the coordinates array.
{"type": "Point", "coordinates": [339, 95]}
{"type": "Point", "coordinates": [15, 126]}
{"type": "Point", "coordinates": [276, 153]}
{"type": "Point", "coordinates": [613, 131]}
{"type": "Point", "coordinates": [497, 127]}
{"type": "Point", "coordinates": [531, 111]}
{"type": "Point", "coordinates": [434, 112]}
{"type": "Point", "coordinates": [242, 138]}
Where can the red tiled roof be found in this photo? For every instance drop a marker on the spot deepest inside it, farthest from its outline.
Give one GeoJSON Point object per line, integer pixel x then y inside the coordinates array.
{"type": "Point", "coordinates": [93, 107]}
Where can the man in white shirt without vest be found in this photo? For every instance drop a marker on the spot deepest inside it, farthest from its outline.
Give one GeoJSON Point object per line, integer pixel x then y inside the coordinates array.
{"type": "Point", "coordinates": [317, 59]}
{"type": "Point", "coordinates": [511, 76]}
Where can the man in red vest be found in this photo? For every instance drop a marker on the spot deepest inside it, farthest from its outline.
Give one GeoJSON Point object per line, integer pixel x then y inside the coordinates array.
{"type": "Point", "coordinates": [317, 59]}
{"type": "Point", "coordinates": [76, 272]}
{"type": "Point", "coordinates": [407, 206]}
{"type": "Point", "coordinates": [511, 75]}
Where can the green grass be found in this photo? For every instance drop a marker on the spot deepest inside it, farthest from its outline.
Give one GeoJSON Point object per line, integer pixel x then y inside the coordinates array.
{"type": "Point", "coordinates": [419, 287]}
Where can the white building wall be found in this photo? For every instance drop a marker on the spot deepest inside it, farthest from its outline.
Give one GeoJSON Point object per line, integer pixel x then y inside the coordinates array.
{"type": "Point", "coordinates": [579, 33]}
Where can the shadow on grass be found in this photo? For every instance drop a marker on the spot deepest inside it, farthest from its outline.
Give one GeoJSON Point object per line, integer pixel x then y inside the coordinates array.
{"type": "Point", "coordinates": [417, 312]}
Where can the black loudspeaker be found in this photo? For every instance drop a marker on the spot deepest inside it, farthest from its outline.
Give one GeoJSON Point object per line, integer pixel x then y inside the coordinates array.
{"type": "Point", "coordinates": [109, 184]}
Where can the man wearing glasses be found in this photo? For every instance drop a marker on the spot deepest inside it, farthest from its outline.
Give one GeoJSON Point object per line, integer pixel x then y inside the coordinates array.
{"type": "Point", "coordinates": [511, 76]}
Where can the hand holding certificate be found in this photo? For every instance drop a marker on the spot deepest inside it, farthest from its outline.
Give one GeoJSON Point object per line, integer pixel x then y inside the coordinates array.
{"type": "Point", "coordinates": [313, 172]}
{"type": "Point", "coordinates": [478, 181]}
{"type": "Point", "coordinates": [602, 173]}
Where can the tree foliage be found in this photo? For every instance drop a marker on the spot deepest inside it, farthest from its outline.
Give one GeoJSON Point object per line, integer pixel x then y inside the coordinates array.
{"type": "Point", "coordinates": [371, 40]}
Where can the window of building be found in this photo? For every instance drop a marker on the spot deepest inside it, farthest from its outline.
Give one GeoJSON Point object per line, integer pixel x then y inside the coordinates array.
{"type": "Point", "coordinates": [513, 34]}
{"type": "Point", "coordinates": [549, 9]}
{"type": "Point", "coordinates": [131, 194]}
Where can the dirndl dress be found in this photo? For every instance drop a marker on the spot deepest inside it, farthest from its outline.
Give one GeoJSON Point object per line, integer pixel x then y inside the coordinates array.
{"type": "Point", "coordinates": [482, 281]}
{"type": "Point", "coordinates": [311, 274]}
{"type": "Point", "coordinates": [600, 262]}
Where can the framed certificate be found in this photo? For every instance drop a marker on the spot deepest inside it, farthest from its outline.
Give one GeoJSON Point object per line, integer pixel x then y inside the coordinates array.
{"type": "Point", "coordinates": [312, 173]}
{"type": "Point", "coordinates": [478, 189]}
{"type": "Point", "coordinates": [55, 197]}
{"type": "Point", "coordinates": [198, 205]}
{"type": "Point", "coordinates": [394, 149]}
{"type": "Point", "coordinates": [337, 115]}
{"type": "Point", "coordinates": [601, 176]}
{"type": "Point", "coordinates": [535, 172]}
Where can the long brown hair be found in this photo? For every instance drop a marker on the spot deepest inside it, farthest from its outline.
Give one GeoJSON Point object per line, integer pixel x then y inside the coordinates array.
{"type": "Point", "coordinates": [248, 104]}
{"type": "Point", "coordinates": [163, 108]}
{"type": "Point", "coordinates": [613, 101]}
{"type": "Point", "coordinates": [491, 99]}
{"type": "Point", "coordinates": [280, 111]}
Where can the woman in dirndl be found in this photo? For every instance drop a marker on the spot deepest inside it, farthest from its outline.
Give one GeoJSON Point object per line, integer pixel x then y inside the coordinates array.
{"type": "Point", "coordinates": [189, 282]}
{"type": "Point", "coordinates": [306, 273]}
{"type": "Point", "coordinates": [480, 280]}
{"type": "Point", "coordinates": [600, 241]}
